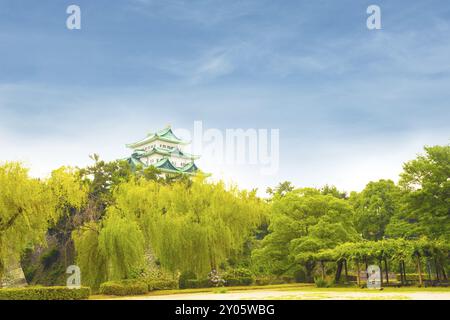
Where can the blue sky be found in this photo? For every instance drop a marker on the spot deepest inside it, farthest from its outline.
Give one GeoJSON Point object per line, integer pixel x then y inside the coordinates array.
{"type": "Point", "coordinates": [351, 104]}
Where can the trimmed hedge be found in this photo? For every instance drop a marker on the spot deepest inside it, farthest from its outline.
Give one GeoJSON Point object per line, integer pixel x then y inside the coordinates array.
{"type": "Point", "coordinates": [132, 287]}
{"type": "Point", "coordinates": [124, 288]}
{"type": "Point", "coordinates": [240, 281]}
{"type": "Point", "coordinates": [264, 281]}
{"type": "Point", "coordinates": [414, 277]}
{"type": "Point", "coordinates": [185, 276]}
{"type": "Point", "coordinates": [44, 293]}
{"type": "Point", "coordinates": [202, 283]}
{"type": "Point", "coordinates": [162, 284]}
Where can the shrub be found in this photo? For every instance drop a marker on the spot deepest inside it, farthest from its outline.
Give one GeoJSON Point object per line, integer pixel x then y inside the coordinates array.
{"type": "Point", "coordinates": [202, 283]}
{"type": "Point", "coordinates": [287, 279]}
{"type": "Point", "coordinates": [44, 293]}
{"type": "Point", "coordinates": [124, 288]}
{"type": "Point", "coordinates": [238, 277]}
{"type": "Point", "coordinates": [266, 280]}
{"type": "Point", "coordinates": [216, 278]}
{"type": "Point", "coordinates": [241, 281]}
{"type": "Point", "coordinates": [413, 277]}
{"type": "Point", "coordinates": [184, 277]}
{"type": "Point", "coordinates": [321, 283]}
{"type": "Point", "coordinates": [49, 257]}
{"type": "Point", "coordinates": [241, 272]}
{"type": "Point", "coordinates": [300, 276]}
{"type": "Point", "coordinates": [163, 284]}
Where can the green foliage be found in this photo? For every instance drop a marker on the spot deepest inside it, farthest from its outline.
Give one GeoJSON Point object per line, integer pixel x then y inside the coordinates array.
{"type": "Point", "coordinates": [322, 283]}
{"type": "Point", "coordinates": [90, 257]}
{"type": "Point", "coordinates": [49, 257]}
{"type": "Point", "coordinates": [164, 284]}
{"type": "Point", "coordinates": [68, 189]}
{"type": "Point", "coordinates": [101, 178]}
{"type": "Point", "coordinates": [128, 287]}
{"type": "Point", "coordinates": [238, 277]}
{"type": "Point", "coordinates": [198, 283]}
{"type": "Point", "coordinates": [301, 223]}
{"type": "Point", "coordinates": [240, 272]}
{"type": "Point", "coordinates": [374, 208]}
{"type": "Point", "coordinates": [27, 208]}
{"type": "Point", "coordinates": [184, 277]}
{"type": "Point", "coordinates": [333, 191]}
{"type": "Point", "coordinates": [191, 227]}
{"type": "Point", "coordinates": [122, 244]}
{"type": "Point", "coordinates": [238, 281]}
{"type": "Point", "coordinates": [426, 186]}
{"type": "Point", "coordinates": [122, 220]}
{"type": "Point", "coordinates": [45, 293]}
{"type": "Point", "coordinates": [111, 252]}
{"type": "Point", "coordinates": [268, 279]}
{"type": "Point", "coordinates": [281, 190]}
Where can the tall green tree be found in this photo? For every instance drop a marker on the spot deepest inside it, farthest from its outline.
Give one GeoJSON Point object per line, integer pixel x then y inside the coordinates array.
{"type": "Point", "coordinates": [425, 209]}
{"type": "Point", "coordinates": [187, 225]}
{"type": "Point", "coordinates": [301, 223]}
{"type": "Point", "coordinates": [374, 208]}
{"type": "Point", "coordinates": [281, 190]}
{"type": "Point", "coordinates": [28, 207]}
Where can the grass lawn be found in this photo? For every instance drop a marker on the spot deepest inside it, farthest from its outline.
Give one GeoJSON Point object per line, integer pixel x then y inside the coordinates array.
{"type": "Point", "coordinates": [292, 287]}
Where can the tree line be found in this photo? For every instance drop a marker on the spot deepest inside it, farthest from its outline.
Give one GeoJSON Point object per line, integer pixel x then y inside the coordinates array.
{"type": "Point", "coordinates": [118, 223]}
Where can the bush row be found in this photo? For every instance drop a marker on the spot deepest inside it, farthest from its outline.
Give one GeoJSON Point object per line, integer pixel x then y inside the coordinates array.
{"type": "Point", "coordinates": [135, 287]}
{"type": "Point", "coordinates": [123, 288]}
{"type": "Point", "coordinates": [162, 284]}
{"type": "Point", "coordinates": [267, 280]}
{"type": "Point", "coordinates": [198, 283]}
{"type": "Point", "coordinates": [239, 281]}
{"type": "Point", "coordinates": [229, 282]}
{"type": "Point", "coordinates": [44, 293]}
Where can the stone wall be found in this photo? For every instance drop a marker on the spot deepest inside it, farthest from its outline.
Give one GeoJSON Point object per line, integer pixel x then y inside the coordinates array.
{"type": "Point", "coordinates": [14, 277]}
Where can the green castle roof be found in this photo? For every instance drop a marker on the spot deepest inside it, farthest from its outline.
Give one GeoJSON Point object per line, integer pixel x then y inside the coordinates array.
{"type": "Point", "coordinates": [165, 165]}
{"type": "Point", "coordinates": [166, 152]}
{"type": "Point", "coordinates": [165, 134]}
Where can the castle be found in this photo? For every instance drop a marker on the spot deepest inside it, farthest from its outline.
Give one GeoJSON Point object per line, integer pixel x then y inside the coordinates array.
{"type": "Point", "coordinates": [162, 150]}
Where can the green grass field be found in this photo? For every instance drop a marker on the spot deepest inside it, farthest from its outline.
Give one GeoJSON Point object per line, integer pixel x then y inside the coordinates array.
{"type": "Point", "coordinates": [310, 290]}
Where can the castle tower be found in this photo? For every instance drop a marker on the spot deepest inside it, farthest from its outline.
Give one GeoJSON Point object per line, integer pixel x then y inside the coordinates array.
{"type": "Point", "coordinates": [163, 150]}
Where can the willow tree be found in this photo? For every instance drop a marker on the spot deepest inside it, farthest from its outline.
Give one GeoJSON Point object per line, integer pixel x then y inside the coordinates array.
{"type": "Point", "coordinates": [28, 207]}
{"type": "Point", "coordinates": [109, 250]}
{"type": "Point", "coordinates": [193, 226]}
{"type": "Point", "coordinates": [25, 208]}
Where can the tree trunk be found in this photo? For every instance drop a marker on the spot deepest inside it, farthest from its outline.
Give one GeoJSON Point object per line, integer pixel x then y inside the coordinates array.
{"type": "Point", "coordinates": [309, 266]}
{"type": "Point", "coordinates": [346, 271]}
{"type": "Point", "coordinates": [381, 271]}
{"type": "Point", "coordinates": [338, 271]}
{"type": "Point", "coordinates": [358, 279]}
{"type": "Point", "coordinates": [444, 274]}
{"type": "Point", "coordinates": [419, 270]}
{"type": "Point", "coordinates": [323, 269]}
{"type": "Point", "coordinates": [367, 267]}
{"type": "Point", "coordinates": [386, 270]}
{"type": "Point", "coordinates": [404, 271]}
{"type": "Point", "coordinates": [401, 272]}
{"type": "Point", "coordinates": [436, 266]}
